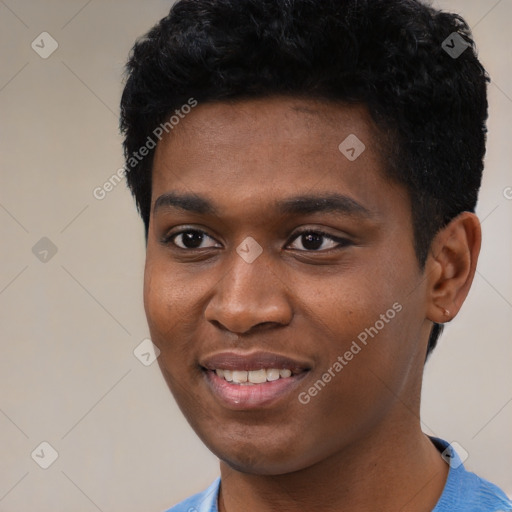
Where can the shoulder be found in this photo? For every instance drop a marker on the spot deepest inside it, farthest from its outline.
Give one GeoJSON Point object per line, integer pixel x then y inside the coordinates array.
{"type": "Point", "coordinates": [466, 492]}
{"type": "Point", "coordinates": [205, 501]}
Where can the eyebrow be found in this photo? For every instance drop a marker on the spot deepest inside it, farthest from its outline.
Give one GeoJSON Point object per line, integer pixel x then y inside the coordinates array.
{"type": "Point", "coordinates": [337, 203]}
{"type": "Point", "coordinates": [299, 205]}
{"type": "Point", "coordinates": [185, 202]}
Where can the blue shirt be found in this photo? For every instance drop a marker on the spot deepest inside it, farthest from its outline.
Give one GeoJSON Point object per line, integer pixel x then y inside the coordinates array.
{"type": "Point", "coordinates": [463, 492]}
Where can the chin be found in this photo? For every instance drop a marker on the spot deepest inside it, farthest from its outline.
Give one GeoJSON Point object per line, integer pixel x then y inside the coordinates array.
{"type": "Point", "coordinates": [267, 456]}
{"type": "Point", "coordinates": [262, 464]}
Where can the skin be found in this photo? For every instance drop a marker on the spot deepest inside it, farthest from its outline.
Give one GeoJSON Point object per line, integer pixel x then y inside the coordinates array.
{"type": "Point", "coordinates": [359, 441]}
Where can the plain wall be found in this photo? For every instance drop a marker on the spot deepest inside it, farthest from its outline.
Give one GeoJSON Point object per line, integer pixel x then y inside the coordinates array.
{"type": "Point", "coordinates": [69, 325]}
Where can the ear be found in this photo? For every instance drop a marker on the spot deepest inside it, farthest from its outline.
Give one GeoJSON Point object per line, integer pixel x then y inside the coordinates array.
{"type": "Point", "coordinates": [451, 266]}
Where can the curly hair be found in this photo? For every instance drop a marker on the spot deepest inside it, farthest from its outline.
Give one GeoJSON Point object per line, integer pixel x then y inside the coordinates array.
{"type": "Point", "coordinates": [430, 106]}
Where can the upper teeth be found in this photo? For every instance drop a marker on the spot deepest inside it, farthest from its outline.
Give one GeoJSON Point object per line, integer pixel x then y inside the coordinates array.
{"type": "Point", "coordinates": [253, 376]}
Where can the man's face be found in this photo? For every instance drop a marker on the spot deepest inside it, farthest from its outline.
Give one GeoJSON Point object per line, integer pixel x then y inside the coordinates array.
{"type": "Point", "coordinates": [259, 274]}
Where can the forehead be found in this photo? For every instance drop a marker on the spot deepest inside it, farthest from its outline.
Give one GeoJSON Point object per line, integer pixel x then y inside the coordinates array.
{"type": "Point", "coordinates": [274, 147]}
{"type": "Point", "coordinates": [316, 123]}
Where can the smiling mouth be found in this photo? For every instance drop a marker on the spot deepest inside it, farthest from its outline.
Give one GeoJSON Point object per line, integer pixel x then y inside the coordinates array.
{"type": "Point", "coordinates": [242, 381]}
{"type": "Point", "coordinates": [247, 395]}
{"type": "Point", "coordinates": [250, 378]}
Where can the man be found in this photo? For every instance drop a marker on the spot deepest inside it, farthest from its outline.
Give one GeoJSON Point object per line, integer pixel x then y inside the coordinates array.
{"type": "Point", "coordinates": [307, 172]}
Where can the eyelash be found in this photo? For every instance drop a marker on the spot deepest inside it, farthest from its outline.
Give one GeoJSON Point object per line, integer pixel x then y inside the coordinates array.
{"type": "Point", "coordinates": [342, 242]}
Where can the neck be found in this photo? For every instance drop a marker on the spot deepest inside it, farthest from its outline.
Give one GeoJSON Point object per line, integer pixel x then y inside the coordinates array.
{"type": "Point", "coordinates": [401, 471]}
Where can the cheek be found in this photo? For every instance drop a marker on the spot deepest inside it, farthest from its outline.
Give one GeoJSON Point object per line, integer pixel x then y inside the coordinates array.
{"type": "Point", "coordinates": [343, 305]}
{"type": "Point", "coordinates": [370, 320]}
{"type": "Point", "coordinates": [168, 304]}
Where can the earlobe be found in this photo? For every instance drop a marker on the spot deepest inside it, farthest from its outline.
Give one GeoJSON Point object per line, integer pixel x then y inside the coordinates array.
{"type": "Point", "coordinates": [451, 266]}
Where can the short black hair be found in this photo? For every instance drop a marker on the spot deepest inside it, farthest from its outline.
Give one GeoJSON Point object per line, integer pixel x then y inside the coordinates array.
{"type": "Point", "coordinates": [399, 58]}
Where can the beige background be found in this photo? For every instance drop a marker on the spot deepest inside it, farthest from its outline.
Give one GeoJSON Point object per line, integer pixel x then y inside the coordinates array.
{"type": "Point", "coordinates": [69, 325]}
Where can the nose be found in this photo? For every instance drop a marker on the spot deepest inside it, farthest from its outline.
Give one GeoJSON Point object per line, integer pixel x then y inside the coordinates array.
{"type": "Point", "coordinates": [248, 296]}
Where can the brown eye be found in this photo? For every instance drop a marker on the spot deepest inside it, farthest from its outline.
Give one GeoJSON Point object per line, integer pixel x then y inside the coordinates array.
{"type": "Point", "coordinates": [190, 239]}
{"type": "Point", "coordinates": [318, 241]}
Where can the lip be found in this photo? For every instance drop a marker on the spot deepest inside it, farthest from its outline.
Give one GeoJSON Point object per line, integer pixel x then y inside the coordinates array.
{"type": "Point", "coordinates": [256, 396]}
{"type": "Point", "coordinates": [252, 361]}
